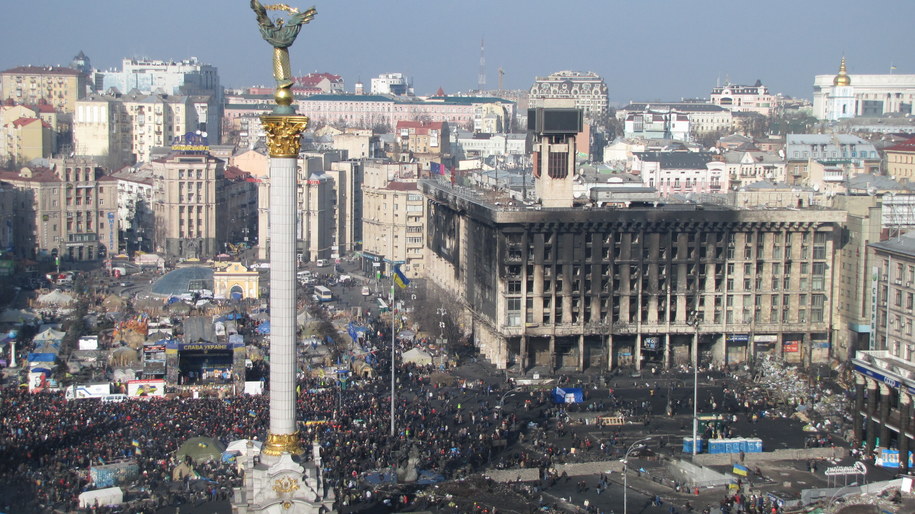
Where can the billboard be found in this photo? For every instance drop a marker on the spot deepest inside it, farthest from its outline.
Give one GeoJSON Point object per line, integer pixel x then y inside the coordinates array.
{"type": "Point", "coordinates": [142, 388]}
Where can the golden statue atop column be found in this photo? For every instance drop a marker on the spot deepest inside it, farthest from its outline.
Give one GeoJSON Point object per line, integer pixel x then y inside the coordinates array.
{"type": "Point", "coordinates": [281, 34]}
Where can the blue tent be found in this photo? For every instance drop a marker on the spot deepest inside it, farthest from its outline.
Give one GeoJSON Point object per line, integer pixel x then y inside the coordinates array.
{"type": "Point", "coordinates": [567, 395]}
{"type": "Point", "coordinates": [264, 328]}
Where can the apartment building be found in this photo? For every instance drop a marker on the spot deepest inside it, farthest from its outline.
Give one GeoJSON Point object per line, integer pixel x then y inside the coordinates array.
{"type": "Point", "coordinates": [73, 209]}
{"type": "Point", "coordinates": [55, 86]}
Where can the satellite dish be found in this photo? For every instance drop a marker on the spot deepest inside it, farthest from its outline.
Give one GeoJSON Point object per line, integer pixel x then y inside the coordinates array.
{"type": "Point", "coordinates": [872, 191]}
{"type": "Point", "coordinates": [816, 187]}
{"type": "Point", "coordinates": [203, 134]}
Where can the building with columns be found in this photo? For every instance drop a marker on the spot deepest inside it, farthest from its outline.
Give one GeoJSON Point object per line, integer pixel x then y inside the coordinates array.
{"type": "Point", "coordinates": [886, 370]}
{"type": "Point", "coordinates": [587, 286]}
{"type": "Point", "coordinates": [846, 95]}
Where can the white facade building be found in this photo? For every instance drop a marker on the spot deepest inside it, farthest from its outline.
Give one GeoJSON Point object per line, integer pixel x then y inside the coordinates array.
{"type": "Point", "coordinates": [847, 96]}
{"type": "Point", "coordinates": [680, 172]}
{"type": "Point", "coordinates": [391, 84]}
{"type": "Point", "coordinates": [735, 98]}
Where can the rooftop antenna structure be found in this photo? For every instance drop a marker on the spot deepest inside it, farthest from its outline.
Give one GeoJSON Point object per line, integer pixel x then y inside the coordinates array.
{"type": "Point", "coordinates": [481, 80]}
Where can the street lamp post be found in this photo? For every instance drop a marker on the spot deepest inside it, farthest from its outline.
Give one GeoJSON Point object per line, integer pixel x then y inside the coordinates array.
{"type": "Point", "coordinates": [509, 393]}
{"type": "Point", "coordinates": [393, 333]}
{"type": "Point", "coordinates": [693, 320]}
{"type": "Point", "coordinates": [636, 445]}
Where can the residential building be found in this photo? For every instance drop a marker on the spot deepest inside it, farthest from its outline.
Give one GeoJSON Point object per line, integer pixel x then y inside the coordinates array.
{"type": "Point", "coordinates": [900, 160]}
{"type": "Point", "coordinates": [188, 199]}
{"type": "Point", "coordinates": [24, 139]}
{"type": "Point", "coordinates": [357, 143]}
{"type": "Point", "coordinates": [129, 127]}
{"type": "Point", "coordinates": [736, 98]}
{"type": "Point", "coordinates": [587, 89]}
{"type": "Point", "coordinates": [657, 124]}
{"type": "Point", "coordinates": [240, 193]}
{"type": "Point", "coordinates": [422, 141]}
{"type": "Point", "coordinates": [73, 210]}
{"type": "Point", "coordinates": [681, 172]}
{"type": "Point", "coordinates": [846, 154]}
{"type": "Point", "coordinates": [396, 84]}
{"type": "Point", "coordinates": [17, 221]}
{"type": "Point", "coordinates": [135, 207]}
{"type": "Point", "coordinates": [393, 218]}
{"type": "Point", "coordinates": [885, 372]}
{"type": "Point", "coordinates": [746, 167]}
{"type": "Point", "coordinates": [55, 86]}
{"type": "Point", "coordinates": [704, 118]}
{"type": "Point", "coordinates": [347, 208]}
{"type": "Point", "coordinates": [467, 145]}
{"type": "Point", "coordinates": [846, 95]}
{"type": "Point", "coordinates": [326, 83]}
{"type": "Point", "coordinates": [187, 78]}
{"type": "Point", "coordinates": [853, 286]}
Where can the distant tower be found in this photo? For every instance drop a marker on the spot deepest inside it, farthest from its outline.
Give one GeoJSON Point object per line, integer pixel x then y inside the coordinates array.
{"type": "Point", "coordinates": [842, 100]}
{"type": "Point", "coordinates": [81, 63]}
{"type": "Point", "coordinates": [554, 128]}
{"type": "Point", "coordinates": [481, 80]}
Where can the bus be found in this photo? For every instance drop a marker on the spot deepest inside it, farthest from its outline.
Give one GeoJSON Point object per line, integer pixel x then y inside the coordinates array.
{"type": "Point", "coordinates": [323, 294]}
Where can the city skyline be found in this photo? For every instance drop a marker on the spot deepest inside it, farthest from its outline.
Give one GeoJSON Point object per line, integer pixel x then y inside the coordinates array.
{"type": "Point", "coordinates": [656, 50]}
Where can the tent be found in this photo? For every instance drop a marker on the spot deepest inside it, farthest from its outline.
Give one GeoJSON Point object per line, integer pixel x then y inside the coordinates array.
{"type": "Point", "coordinates": [417, 356]}
{"type": "Point", "coordinates": [240, 447]}
{"type": "Point", "coordinates": [567, 395]}
{"type": "Point", "coordinates": [201, 449]}
{"type": "Point", "coordinates": [49, 335]}
{"type": "Point", "coordinates": [16, 316]}
{"type": "Point", "coordinates": [101, 497]}
{"type": "Point", "coordinates": [55, 297]}
{"type": "Point", "coordinates": [264, 328]}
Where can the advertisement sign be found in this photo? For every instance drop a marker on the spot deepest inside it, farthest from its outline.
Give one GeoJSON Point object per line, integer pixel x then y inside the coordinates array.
{"type": "Point", "coordinates": [738, 338]}
{"type": "Point", "coordinates": [151, 387]}
{"type": "Point", "coordinates": [651, 343]}
{"type": "Point", "coordinates": [791, 346]}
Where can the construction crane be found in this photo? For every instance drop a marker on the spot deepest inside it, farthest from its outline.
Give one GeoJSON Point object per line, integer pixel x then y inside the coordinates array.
{"type": "Point", "coordinates": [501, 75]}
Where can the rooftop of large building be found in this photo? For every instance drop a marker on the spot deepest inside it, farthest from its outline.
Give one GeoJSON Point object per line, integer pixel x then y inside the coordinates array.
{"type": "Point", "coordinates": [676, 160]}
{"type": "Point", "coordinates": [679, 106]}
{"type": "Point", "coordinates": [41, 70]}
{"type": "Point", "coordinates": [903, 245]}
{"type": "Point", "coordinates": [501, 207]}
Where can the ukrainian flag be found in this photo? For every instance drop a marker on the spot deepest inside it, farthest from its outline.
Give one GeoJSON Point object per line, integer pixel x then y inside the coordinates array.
{"type": "Point", "coordinates": [399, 278]}
{"type": "Point", "coordinates": [740, 470]}
{"type": "Point", "coordinates": [135, 442]}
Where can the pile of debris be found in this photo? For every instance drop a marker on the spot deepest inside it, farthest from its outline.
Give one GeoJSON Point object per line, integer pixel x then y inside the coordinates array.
{"type": "Point", "coordinates": [822, 406]}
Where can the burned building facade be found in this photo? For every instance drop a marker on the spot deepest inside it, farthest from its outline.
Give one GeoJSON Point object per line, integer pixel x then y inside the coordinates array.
{"type": "Point", "coordinates": [581, 287]}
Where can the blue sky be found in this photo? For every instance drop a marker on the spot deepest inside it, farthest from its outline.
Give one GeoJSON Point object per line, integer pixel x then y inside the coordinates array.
{"type": "Point", "coordinates": [644, 49]}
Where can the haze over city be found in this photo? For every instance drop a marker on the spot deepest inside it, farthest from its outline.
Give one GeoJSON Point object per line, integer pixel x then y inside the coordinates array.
{"type": "Point", "coordinates": [646, 50]}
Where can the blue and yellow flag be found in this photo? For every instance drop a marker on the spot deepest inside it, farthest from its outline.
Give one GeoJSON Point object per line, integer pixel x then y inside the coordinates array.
{"type": "Point", "coordinates": [740, 470]}
{"type": "Point", "coordinates": [399, 278]}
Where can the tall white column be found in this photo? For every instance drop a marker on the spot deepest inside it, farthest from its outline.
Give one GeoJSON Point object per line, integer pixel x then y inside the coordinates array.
{"type": "Point", "coordinates": [283, 133]}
